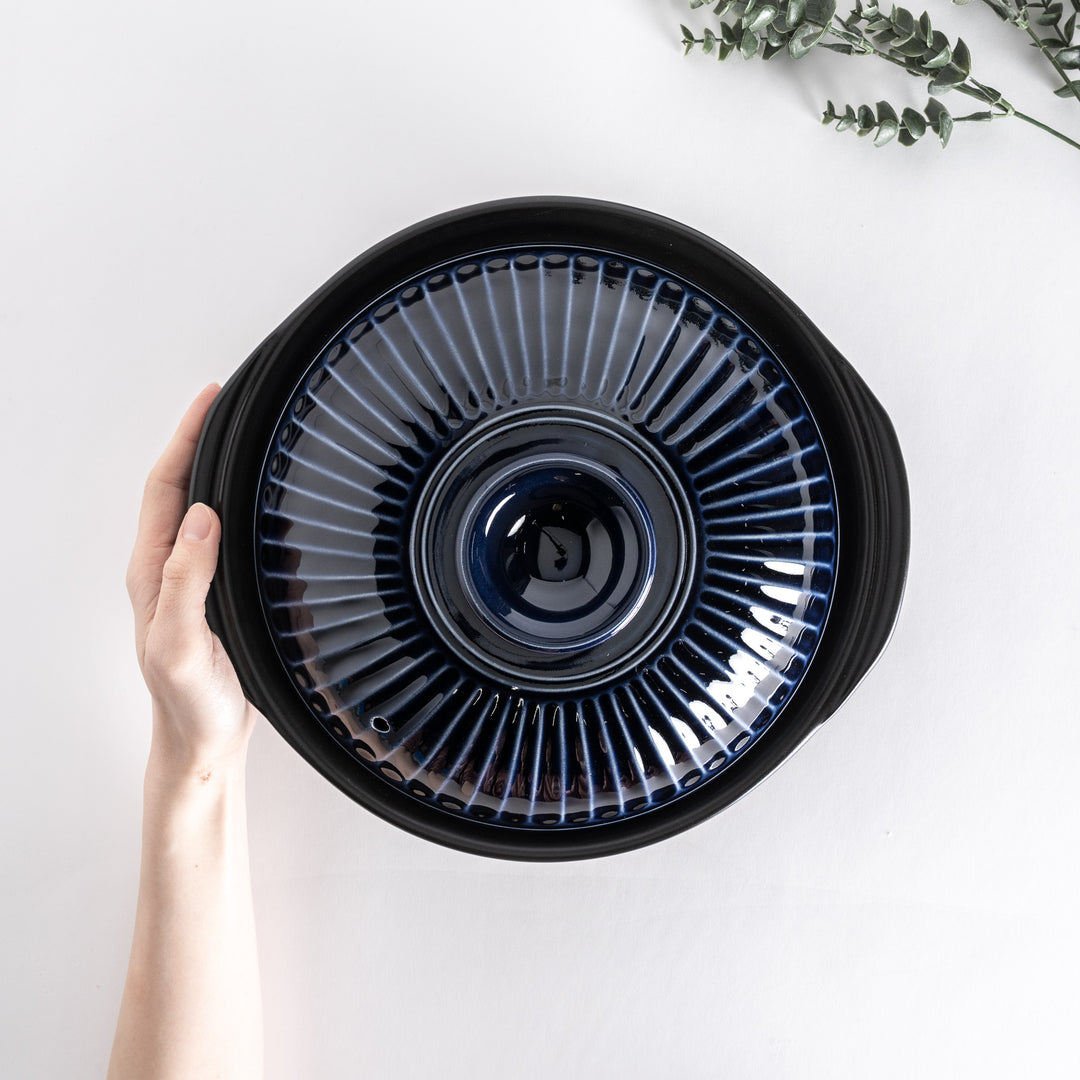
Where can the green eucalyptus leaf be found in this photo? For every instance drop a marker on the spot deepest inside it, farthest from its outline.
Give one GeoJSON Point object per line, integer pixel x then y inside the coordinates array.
{"type": "Point", "coordinates": [804, 39]}
{"type": "Point", "coordinates": [727, 34]}
{"type": "Point", "coordinates": [820, 12]}
{"type": "Point", "coordinates": [687, 35]}
{"type": "Point", "coordinates": [750, 5]}
{"type": "Point", "coordinates": [725, 50]}
{"type": "Point", "coordinates": [886, 112]}
{"type": "Point", "coordinates": [838, 46]}
{"type": "Point", "coordinates": [961, 57]}
{"type": "Point", "coordinates": [697, 3]}
{"type": "Point", "coordinates": [770, 50]}
{"type": "Point", "coordinates": [886, 132]}
{"type": "Point", "coordinates": [926, 31]}
{"type": "Point", "coordinates": [709, 43]}
{"type": "Point", "coordinates": [911, 47]}
{"type": "Point", "coordinates": [1069, 58]}
{"type": "Point", "coordinates": [934, 111]}
{"type": "Point", "coordinates": [762, 17]}
{"type": "Point", "coordinates": [830, 112]}
{"type": "Point", "coordinates": [749, 44]}
{"type": "Point", "coordinates": [1070, 26]}
{"type": "Point", "coordinates": [978, 117]}
{"type": "Point", "coordinates": [938, 60]}
{"type": "Point", "coordinates": [941, 120]}
{"type": "Point", "coordinates": [903, 22]}
{"type": "Point", "coordinates": [1068, 89]}
{"type": "Point", "coordinates": [774, 37]}
{"type": "Point", "coordinates": [947, 77]}
{"type": "Point", "coordinates": [723, 8]}
{"type": "Point", "coordinates": [865, 117]}
{"type": "Point", "coordinates": [905, 138]}
{"type": "Point", "coordinates": [944, 129]}
{"type": "Point", "coordinates": [914, 122]}
{"type": "Point", "coordinates": [795, 13]}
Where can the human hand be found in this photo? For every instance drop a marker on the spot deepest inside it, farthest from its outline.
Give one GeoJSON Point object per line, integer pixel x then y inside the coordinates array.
{"type": "Point", "coordinates": [201, 717]}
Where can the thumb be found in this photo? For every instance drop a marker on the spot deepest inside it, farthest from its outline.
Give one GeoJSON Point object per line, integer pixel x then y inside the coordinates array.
{"type": "Point", "coordinates": [179, 629]}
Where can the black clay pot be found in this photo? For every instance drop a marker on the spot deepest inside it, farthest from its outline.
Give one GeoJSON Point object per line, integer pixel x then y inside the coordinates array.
{"type": "Point", "coordinates": [550, 528]}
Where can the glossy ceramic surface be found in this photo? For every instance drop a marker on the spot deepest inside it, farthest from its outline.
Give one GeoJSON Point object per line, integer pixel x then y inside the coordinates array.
{"type": "Point", "coordinates": [550, 528]}
{"type": "Point", "coordinates": [546, 537]}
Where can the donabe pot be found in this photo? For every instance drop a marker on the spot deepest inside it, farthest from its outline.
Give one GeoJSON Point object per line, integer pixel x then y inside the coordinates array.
{"type": "Point", "coordinates": [550, 527]}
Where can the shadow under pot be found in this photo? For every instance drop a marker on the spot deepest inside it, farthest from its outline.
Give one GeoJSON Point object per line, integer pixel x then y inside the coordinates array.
{"type": "Point", "coordinates": [550, 528]}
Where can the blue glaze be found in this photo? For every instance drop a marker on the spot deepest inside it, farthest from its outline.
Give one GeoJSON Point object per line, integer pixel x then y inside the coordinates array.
{"type": "Point", "coordinates": [622, 644]}
{"type": "Point", "coordinates": [545, 550]}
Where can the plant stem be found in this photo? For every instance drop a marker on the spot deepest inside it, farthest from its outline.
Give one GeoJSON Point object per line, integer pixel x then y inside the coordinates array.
{"type": "Point", "coordinates": [1054, 61]}
{"type": "Point", "coordinates": [1039, 124]}
{"type": "Point", "coordinates": [867, 48]}
{"type": "Point", "coordinates": [1019, 18]}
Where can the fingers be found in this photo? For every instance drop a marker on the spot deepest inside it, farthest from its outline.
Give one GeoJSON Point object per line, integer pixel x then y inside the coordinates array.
{"type": "Point", "coordinates": [165, 496]}
{"type": "Point", "coordinates": [164, 501]}
{"type": "Point", "coordinates": [179, 647]}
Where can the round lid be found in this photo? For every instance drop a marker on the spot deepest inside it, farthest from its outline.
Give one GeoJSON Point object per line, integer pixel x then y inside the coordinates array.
{"type": "Point", "coordinates": [544, 536]}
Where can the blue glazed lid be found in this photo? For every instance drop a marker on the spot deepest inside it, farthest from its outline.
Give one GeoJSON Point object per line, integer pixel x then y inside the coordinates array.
{"type": "Point", "coordinates": [550, 527]}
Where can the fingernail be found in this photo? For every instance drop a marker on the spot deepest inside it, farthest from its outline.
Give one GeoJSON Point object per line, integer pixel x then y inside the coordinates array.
{"type": "Point", "coordinates": [196, 523]}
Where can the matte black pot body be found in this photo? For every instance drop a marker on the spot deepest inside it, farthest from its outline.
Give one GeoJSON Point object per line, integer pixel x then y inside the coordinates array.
{"type": "Point", "coordinates": [871, 503]}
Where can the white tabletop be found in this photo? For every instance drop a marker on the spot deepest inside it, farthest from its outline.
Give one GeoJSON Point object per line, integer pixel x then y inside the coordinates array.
{"type": "Point", "coordinates": [899, 899]}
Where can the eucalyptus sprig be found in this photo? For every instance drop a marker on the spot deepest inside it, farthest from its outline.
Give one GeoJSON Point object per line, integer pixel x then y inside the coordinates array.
{"type": "Point", "coordinates": [795, 27]}
{"type": "Point", "coordinates": [883, 123]}
{"type": "Point", "coordinates": [1058, 45]}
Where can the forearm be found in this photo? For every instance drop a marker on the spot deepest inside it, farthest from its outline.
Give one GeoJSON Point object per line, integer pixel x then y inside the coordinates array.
{"type": "Point", "coordinates": [192, 1003]}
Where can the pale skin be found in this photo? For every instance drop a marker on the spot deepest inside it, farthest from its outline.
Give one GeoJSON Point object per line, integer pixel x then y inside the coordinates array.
{"type": "Point", "coordinates": [192, 1005]}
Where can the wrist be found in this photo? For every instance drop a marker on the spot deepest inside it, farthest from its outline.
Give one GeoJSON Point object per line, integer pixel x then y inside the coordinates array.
{"type": "Point", "coordinates": [194, 811]}
{"type": "Point", "coordinates": [190, 741]}
{"type": "Point", "coordinates": [171, 765]}
{"type": "Point", "coordinates": [193, 804]}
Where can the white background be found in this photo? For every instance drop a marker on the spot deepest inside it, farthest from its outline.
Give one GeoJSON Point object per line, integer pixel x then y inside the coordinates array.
{"type": "Point", "coordinates": [900, 899]}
